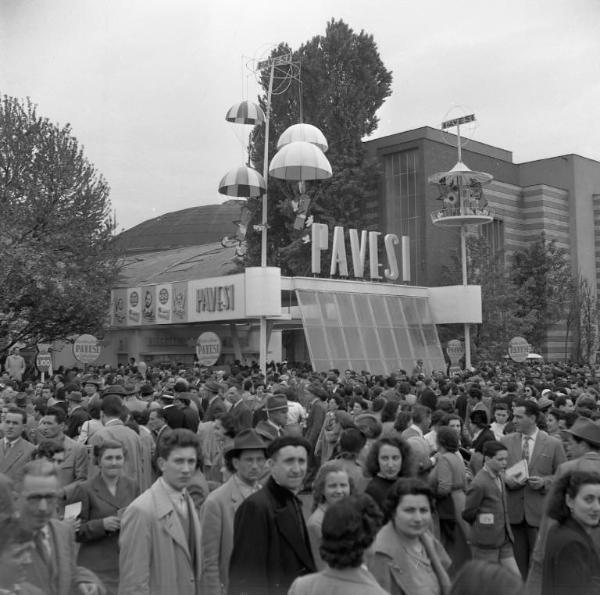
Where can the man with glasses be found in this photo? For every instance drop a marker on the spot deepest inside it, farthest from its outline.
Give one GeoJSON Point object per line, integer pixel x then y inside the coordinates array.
{"type": "Point", "coordinates": [53, 568]}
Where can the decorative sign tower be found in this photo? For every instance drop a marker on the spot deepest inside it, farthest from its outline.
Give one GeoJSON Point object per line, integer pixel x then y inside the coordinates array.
{"type": "Point", "coordinates": [461, 191]}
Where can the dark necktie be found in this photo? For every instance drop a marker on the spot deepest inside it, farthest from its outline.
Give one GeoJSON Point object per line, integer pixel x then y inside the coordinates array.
{"type": "Point", "coordinates": [526, 453]}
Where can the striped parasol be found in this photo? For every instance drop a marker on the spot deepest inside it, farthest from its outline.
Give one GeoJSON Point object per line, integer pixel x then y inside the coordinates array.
{"type": "Point", "coordinates": [243, 182]}
{"type": "Point", "coordinates": [304, 132]}
{"type": "Point", "coordinates": [245, 112]}
{"type": "Point", "coordinates": [300, 161]}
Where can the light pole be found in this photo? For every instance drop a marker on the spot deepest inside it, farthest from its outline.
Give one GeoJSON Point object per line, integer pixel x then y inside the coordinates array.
{"type": "Point", "coordinates": [461, 190]}
{"type": "Point", "coordinates": [299, 158]}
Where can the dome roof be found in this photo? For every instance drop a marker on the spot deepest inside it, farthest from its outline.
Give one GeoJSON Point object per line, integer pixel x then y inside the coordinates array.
{"type": "Point", "coordinates": [196, 226]}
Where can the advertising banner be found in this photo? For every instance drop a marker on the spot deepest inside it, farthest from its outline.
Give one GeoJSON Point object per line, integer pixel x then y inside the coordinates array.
{"type": "Point", "coordinates": [180, 302]}
{"type": "Point", "coordinates": [134, 307]}
{"type": "Point", "coordinates": [118, 307]}
{"type": "Point", "coordinates": [148, 294]}
{"type": "Point", "coordinates": [164, 306]}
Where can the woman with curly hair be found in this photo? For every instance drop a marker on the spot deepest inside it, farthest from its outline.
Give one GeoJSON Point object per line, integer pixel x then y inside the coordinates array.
{"type": "Point", "coordinates": [388, 459]}
{"type": "Point", "coordinates": [349, 528]}
{"type": "Point", "coordinates": [571, 565]}
{"type": "Point", "coordinates": [331, 484]}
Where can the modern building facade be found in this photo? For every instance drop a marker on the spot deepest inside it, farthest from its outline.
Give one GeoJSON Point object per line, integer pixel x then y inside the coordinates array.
{"type": "Point", "coordinates": [559, 196]}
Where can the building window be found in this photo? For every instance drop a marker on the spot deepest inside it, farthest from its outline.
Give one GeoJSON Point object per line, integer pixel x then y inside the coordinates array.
{"type": "Point", "coordinates": [494, 235]}
{"type": "Point", "coordinates": [403, 210]}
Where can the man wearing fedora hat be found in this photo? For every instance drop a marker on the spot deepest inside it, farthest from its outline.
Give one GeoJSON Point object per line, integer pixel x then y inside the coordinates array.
{"type": "Point", "coordinates": [131, 401]}
{"type": "Point", "coordinates": [246, 461]}
{"type": "Point", "coordinates": [77, 414]}
{"type": "Point", "coordinates": [276, 409]}
{"type": "Point", "coordinates": [91, 389]}
{"type": "Point", "coordinates": [583, 451]}
{"type": "Point", "coordinates": [271, 547]}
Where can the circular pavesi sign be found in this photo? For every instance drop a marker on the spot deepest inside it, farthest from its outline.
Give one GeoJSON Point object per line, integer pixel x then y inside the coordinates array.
{"type": "Point", "coordinates": [208, 349]}
{"type": "Point", "coordinates": [518, 349]}
{"type": "Point", "coordinates": [86, 349]}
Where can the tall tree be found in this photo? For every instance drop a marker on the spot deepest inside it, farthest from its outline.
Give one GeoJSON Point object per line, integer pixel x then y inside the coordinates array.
{"type": "Point", "coordinates": [57, 263]}
{"type": "Point", "coordinates": [541, 273]}
{"type": "Point", "coordinates": [501, 316]}
{"type": "Point", "coordinates": [343, 83]}
{"type": "Point", "coordinates": [581, 320]}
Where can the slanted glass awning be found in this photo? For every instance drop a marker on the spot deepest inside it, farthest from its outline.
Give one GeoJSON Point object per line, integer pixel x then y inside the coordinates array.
{"type": "Point", "coordinates": [378, 333]}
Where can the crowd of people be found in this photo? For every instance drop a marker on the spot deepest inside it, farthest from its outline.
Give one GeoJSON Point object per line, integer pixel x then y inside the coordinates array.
{"type": "Point", "coordinates": [157, 480]}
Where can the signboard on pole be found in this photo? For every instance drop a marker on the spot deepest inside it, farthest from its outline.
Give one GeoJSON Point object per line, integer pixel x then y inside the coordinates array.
{"type": "Point", "coordinates": [455, 351]}
{"type": "Point", "coordinates": [458, 121]}
{"type": "Point", "coordinates": [518, 349]}
{"type": "Point", "coordinates": [43, 362]}
{"type": "Point", "coordinates": [208, 349]}
{"type": "Point", "coordinates": [86, 349]}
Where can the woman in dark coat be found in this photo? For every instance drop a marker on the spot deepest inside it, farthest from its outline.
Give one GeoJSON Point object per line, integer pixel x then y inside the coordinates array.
{"type": "Point", "coordinates": [103, 499]}
{"type": "Point", "coordinates": [571, 564]}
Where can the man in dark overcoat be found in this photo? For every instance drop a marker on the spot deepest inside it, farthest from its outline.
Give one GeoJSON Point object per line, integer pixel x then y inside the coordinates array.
{"type": "Point", "coordinates": [271, 546]}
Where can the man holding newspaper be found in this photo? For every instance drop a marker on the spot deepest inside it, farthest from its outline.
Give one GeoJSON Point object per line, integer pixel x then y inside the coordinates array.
{"type": "Point", "coordinates": [533, 458]}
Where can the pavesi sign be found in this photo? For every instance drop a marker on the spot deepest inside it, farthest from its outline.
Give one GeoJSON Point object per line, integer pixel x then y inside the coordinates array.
{"type": "Point", "coordinates": [367, 242]}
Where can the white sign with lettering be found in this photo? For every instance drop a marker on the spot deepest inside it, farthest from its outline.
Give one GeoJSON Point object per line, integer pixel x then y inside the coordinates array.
{"type": "Point", "coordinates": [220, 298]}
{"type": "Point", "coordinates": [368, 240]}
{"type": "Point", "coordinates": [208, 349]}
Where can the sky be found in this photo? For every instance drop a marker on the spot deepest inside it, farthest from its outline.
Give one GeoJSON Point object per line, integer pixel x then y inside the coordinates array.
{"type": "Point", "coordinates": [146, 84]}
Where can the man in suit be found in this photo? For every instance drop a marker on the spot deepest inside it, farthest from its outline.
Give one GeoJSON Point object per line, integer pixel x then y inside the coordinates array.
{"type": "Point", "coordinates": [240, 412]}
{"type": "Point", "coordinates": [526, 496]}
{"type": "Point", "coordinates": [317, 409]}
{"type": "Point", "coordinates": [276, 409]}
{"type": "Point", "coordinates": [161, 541]}
{"type": "Point", "coordinates": [53, 568]}
{"type": "Point", "coordinates": [160, 430]}
{"type": "Point", "coordinates": [271, 546]}
{"type": "Point", "coordinates": [136, 467]}
{"type": "Point", "coordinates": [191, 419]}
{"type": "Point", "coordinates": [15, 451]}
{"type": "Point", "coordinates": [74, 468]}
{"type": "Point", "coordinates": [174, 416]}
{"type": "Point", "coordinates": [215, 406]}
{"type": "Point", "coordinates": [158, 425]}
{"type": "Point", "coordinates": [245, 461]}
{"type": "Point", "coordinates": [428, 398]}
{"type": "Point", "coordinates": [77, 414]}
{"type": "Point", "coordinates": [415, 436]}
{"type": "Point", "coordinates": [91, 390]}
{"type": "Point", "coordinates": [486, 510]}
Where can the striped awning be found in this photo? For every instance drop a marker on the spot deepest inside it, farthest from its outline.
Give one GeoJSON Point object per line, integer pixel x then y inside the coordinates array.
{"type": "Point", "coordinates": [245, 112]}
{"type": "Point", "coordinates": [242, 182]}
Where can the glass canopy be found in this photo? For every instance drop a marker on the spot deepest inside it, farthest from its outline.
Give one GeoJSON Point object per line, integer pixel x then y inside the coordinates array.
{"type": "Point", "coordinates": [377, 333]}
